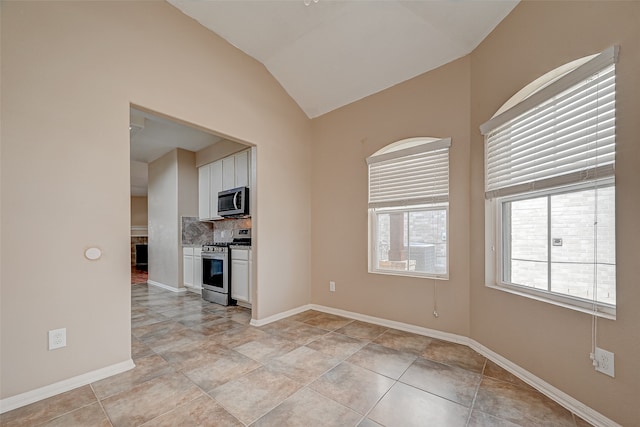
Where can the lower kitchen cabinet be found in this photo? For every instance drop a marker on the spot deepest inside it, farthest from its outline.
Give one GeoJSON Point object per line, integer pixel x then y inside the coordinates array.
{"type": "Point", "coordinates": [241, 275]}
{"type": "Point", "coordinates": [192, 268]}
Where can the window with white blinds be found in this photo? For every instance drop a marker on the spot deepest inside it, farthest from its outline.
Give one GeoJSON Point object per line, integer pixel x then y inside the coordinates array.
{"type": "Point", "coordinates": [550, 232]}
{"type": "Point", "coordinates": [412, 176]}
{"type": "Point", "coordinates": [562, 134]}
{"type": "Point", "coordinates": [409, 208]}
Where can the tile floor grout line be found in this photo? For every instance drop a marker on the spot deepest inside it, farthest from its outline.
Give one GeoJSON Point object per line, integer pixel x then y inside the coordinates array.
{"type": "Point", "coordinates": [104, 411]}
{"type": "Point", "coordinates": [475, 394]}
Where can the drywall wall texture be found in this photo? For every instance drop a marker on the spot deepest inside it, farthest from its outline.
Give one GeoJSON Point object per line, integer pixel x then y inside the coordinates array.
{"type": "Point", "coordinates": [435, 104]}
{"type": "Point", "coordinates": [163, 221]}
{"type": "Point", "coordinates": [139, 211]}
{"type": "Point", "coordinates": [552, 342]}
{"type": "Point", "coordinates": [70, 71]}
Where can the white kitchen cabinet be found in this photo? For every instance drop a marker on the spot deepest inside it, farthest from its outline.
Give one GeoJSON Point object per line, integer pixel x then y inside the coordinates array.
{"type": "Point", "coordinates": [204, 192]}
{"type": "Point", "coordinates": [240, 275]}
{"type": "Point", "coordinates": [228, 173]}
{"type": "Point", "coordinates": [192, 268]}
{"type": "Point", "coordinates": [187, 267]}
{"type": "Point", "coordinates": [224, 174]}
{"type": "Point", "coordinates": [241, 165]}
{"type": "Point", "coordinates": [215, 187]}
{"type": "Point", "coordinates": [197, 268]}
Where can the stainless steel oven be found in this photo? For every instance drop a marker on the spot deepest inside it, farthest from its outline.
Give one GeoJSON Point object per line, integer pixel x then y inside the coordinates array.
{"type": "Point", "coordinates": [215, 274]}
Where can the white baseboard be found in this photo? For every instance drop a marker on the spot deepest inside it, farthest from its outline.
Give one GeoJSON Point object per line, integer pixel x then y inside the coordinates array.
{"type": "Point", "coordinates": [26, 398]}
{"type": "Point", "coordinates": [271, 319]}
{"type": "Point", "coordinates": [560, 397]}
{"type": "Point", "coordinates": [557, 395]}
{"type": "Point", "coordinates": [446, 336]}
{"type": "Point", "coordinates": [166, 287]}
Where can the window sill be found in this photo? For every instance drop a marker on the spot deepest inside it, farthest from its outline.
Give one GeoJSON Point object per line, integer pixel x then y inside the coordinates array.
{"type": "Point", "coordinates": [603, 311]}
{"type": "Point", "coordinates": [411, 274]}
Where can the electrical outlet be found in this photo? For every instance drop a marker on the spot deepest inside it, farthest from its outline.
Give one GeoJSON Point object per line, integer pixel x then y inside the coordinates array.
{"type": "Point", "coordinates": [332, 286]}
{"type": "Point", "coordinates": [604, 362]}
{"type": "Point", "coordinates": [57, 338]}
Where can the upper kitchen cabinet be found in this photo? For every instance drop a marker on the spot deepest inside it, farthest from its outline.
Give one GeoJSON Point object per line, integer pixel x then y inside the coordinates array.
{"type": "Point", "coordinates": [224, 174]}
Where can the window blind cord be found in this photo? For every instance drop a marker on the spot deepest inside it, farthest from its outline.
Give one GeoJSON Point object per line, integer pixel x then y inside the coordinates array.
{"type": "Point", "coordinates": [594, 317]}
{"type": "Point", "coordinates": [435, 300]}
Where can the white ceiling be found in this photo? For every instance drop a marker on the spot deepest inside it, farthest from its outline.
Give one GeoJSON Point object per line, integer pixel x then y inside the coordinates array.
{"type": "Point", "coordinates": [151, 137]}
{"type": "Point", "coordinates": [334, 52]}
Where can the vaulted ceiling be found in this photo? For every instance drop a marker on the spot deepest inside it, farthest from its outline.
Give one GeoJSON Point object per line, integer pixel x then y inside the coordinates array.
{"type": "Point", "coordinates": [330, 53]}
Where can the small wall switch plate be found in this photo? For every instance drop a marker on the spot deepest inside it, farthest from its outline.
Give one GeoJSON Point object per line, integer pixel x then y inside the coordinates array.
{"type": "Point", "coordinates": [57, 338]}
{"type": "Point", "coordinates": [604, 361]}
{"type": "Point", "coordinates": [332, 286]}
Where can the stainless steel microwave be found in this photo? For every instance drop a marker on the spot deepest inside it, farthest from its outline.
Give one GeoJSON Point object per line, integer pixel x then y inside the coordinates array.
{"type": "Point", "coordinates": [234, 202]}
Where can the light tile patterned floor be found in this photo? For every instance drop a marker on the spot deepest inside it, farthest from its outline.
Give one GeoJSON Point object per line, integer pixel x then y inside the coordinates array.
{"type": "Point", "coordinates": [201, 364]}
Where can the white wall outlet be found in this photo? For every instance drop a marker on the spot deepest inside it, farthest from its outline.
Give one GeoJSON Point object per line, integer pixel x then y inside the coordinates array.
{"type": "Point", "coordinates": [332, 286]}
{"type": "Point", "coordinates": [604, 362]}
{"type": "Point", "coordinates": [57, 338]}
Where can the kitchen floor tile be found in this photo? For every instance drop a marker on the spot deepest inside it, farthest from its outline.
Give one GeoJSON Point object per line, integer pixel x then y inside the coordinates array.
{"type": "Point", "coordinates": [146, 369]}
{"type": "Point", "coordinates": [299, 333]}
{"type": "Point", "coordinates": [404, 341]}
{"type": "Point", "coordinates": [454, 355]}
{"type": "Point", "coordinates": [308, 408]}
{"type": "Point", "coordinates": [225, 366]}
{"type": "Point", "coordinates": [337, 345]}
{"type": "Point", "coordinates": [383, 360]}
{"type": "Point", "coordinates": [303, 364]}
{"type": "Point", "coordinates": [45, 410]}
{"type": "Point", "coordinates": [480, 419]}
{"type": "Point", "coordinates": [494, 371]}
{"type": "Point", "coordinates": [149, 400]}
{"type": "Point", "coordinates": [362, 330]}
{"type": "Point", "coordinates": [88, 416]}
{"type": "Point", "coordinates": [253, 395]}
{"type": "Point", "coordinates": [406, 406]}
{"type": "Point", "coordinates": [340, 382]}
{"type": "Point", "coordinates": [266, 348]}
{"type": "Point", "coordinates": [201, 412]}
{"type": "Point", "coordinates": [193, 354]}
{"type": "Point", "coordinates": [305, 315]}
{"type": "Point", "coordinates": [139, 349]}
{"type": "Point", "coordinates": [520, 405]}
{"type": "Point", "coordinates": [238, 336]}
{"type": "Point", "coordinates": [449, 382]}
{"type": "Point", "coordinates": [329, 322]}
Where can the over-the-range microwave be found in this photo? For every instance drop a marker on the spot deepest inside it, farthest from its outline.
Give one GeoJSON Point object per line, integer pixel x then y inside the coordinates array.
{"type": "Point", "coordinates": [234, 202]}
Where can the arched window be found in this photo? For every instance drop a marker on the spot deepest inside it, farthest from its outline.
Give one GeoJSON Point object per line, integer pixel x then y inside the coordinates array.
{"type": "Point", "coordinates": [408, 208]}
{"type": "Point", "coordinates": [550, 189]}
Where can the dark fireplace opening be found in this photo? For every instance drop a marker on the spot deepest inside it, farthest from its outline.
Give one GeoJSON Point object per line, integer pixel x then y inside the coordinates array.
{"type": "Point", "coordinates": [141, 257]}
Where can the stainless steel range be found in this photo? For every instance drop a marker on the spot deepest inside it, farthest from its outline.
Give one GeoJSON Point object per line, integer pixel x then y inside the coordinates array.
{"type": "Point", "coordinates": [216, 268]}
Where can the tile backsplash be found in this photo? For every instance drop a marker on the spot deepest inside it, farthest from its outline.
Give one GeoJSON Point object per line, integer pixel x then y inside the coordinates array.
{"type": "Point", "coordinates": [223, 230]}
{"type": "Point", "coordinates": [197, 233]}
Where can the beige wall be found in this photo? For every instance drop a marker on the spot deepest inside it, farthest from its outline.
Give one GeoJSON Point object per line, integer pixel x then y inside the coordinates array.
{"type": "Point", "coordinates": [173, 193]}
{"type": "Point", "coordinates": [139, 211]}
{"type": "Point", "coordinates": [434, 104]}
{"type": "Point", "coordinates": [551, 342]}
{"type": "Point", "coordinates": [163, 220]}
{"type": "Point", "coordinates": [72, 69]}
{"type": "Point", "coordinates": [218, 151]}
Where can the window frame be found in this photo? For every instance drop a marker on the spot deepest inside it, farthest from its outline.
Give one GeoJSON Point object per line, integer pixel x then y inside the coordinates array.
{"type": "Point", "coordinates": [540, 91]}
{"type": "Point", "coordinates": [373, 240]}
{"type": "Point", "coordinates": [495, 278]}
{"type": "Point", "coordinates": [433, 201]}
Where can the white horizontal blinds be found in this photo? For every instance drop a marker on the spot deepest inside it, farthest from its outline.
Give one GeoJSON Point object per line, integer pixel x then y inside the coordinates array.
{"type": "Point", "coordinates": [419, 175]}
{"type": "Point", "coordinates": [566, 139]}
